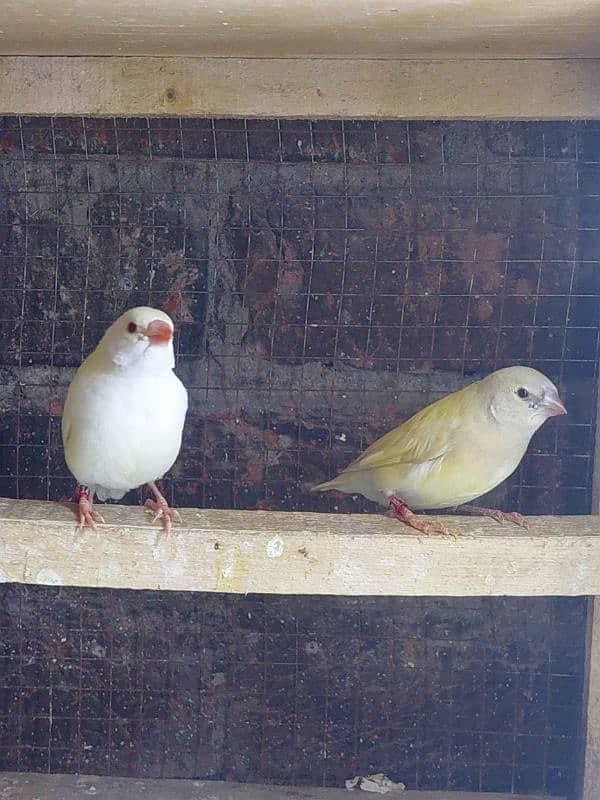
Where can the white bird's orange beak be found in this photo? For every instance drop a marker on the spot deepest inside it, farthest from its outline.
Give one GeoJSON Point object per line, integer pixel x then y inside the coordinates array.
{"type": "Point", "coordinates": [552, 403]}
{"type": "Point", "coordinates": [159, 332]}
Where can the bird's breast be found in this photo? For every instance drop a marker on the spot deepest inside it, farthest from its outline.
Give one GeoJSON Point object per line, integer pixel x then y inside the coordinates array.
{"type": "Point", "coordinates": [124, 431]}
{"type": "Point", "coordinates": [461, 476]}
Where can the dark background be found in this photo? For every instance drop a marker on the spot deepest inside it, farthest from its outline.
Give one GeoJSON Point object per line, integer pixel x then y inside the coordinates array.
{"type": "Point", "coordinates": [327, 280]}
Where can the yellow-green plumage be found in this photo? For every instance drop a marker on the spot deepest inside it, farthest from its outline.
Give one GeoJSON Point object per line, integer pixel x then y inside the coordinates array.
{"type": "Point", "coordinates": [454, 450]}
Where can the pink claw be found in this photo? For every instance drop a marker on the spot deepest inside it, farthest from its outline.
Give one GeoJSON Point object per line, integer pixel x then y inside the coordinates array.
{"type": "Point", "coordinates": [88, 516]}
{"type": "Point", "coordinates": [495, 514]}
{"type": "Point", "coordinates": [401, 511]}
{"type": "Point", "coordinates": [161, 510]}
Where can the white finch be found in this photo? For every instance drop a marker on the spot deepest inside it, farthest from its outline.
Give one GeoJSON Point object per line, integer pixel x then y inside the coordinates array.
{"type": "Point", "coordinates": [124, 414]}
{"type": "Point", "coordinates": [454, 450]}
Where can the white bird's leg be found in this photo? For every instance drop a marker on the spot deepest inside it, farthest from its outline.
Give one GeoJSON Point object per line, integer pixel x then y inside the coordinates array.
{"type": "Point", "coordinates": [401, 511]}
{"type": "Point", "coordinates": [88, 516]}
{"type": "Point", "coordinates": [161, 509]}
{"type": "Point", "coordinates": [494, 513]}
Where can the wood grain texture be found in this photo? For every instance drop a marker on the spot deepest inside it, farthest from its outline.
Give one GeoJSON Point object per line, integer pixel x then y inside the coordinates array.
{"type": "Point", "coordinates": [596, 473]}
{"type": "Point", "coordinates": [269, 28]}
{"type": "Point", "coordinates": [300, 88]}
{"type": "Point", "coordinates": [19, 786]}
{"type": "Point", "coordinates": [590, 767]}
{"type": "Point", "coordinates": [298, 553]}
{"type": "Point", "coordinates": [591, 715]}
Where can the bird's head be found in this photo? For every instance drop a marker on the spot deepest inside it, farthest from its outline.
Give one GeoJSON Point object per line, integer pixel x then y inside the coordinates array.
{"type": "Point", "coordinates": [140, 336]}
{"type": "Point", "coordinates": [522, 397]}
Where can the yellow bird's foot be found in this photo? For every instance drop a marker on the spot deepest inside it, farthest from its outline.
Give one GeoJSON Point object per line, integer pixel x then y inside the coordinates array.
{"type": "Point", "coordinates": [401, 511]}
{"type": "Point", "coordinates": [494, 513]}
{"type": "Point", "coordinates": [161, 510]}
{"type": "Point", "coordinates": [88, 516]}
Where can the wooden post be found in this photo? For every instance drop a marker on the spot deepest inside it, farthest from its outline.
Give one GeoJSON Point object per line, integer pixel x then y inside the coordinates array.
{"type": "Point", "coordinates": [590, 768]}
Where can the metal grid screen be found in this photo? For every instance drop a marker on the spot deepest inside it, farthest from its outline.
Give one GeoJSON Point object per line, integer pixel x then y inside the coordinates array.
{"type": "Point", "coordinates": [327, 280]}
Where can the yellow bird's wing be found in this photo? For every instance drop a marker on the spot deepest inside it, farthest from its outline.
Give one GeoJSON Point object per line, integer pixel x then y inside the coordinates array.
{"type": "Point", "coordinates": [428, 435]}
{"type": "Point", "coordinates": [66, 429]}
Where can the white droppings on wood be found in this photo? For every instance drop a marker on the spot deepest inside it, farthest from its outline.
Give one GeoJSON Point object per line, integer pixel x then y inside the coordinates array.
{"type": "Point", "coordinates": [48, 577]}
{"type": "Point", "coordinates": [275, 547]}
{"type": "Point", "coordinates": [347, 572]}
{"type": "Point", "coordinates": [31, 549]}
{"type": "Point", "coordinates": [157, 551]}
{"type": "Point", "coordinates": [227, 570]}
{"type": "Point", "coordinates": [582, 572]}
{"type": "Point", "coordinates": [112, 548]}
{"type": "Point", "coordinates": [377, 783]}
{"type": "Point", "coordinates": [416, 567]}
{"type": "Point", "coordinates": [174, 569]}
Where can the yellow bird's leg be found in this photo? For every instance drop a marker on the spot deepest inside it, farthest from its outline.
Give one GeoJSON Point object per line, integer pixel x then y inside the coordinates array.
{"type": "Point", "coordinates": [494, 513]}
{"type": "Point", "coordinates": [161, 509]}
{"type": "Point", "coordinates": [402, 512]}
{"type": "Point", "coordinates": [88, 516]}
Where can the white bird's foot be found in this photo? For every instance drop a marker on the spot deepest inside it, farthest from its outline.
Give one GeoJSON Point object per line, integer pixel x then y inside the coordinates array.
{"type": "Point", "coordinates": [494, 513]}
{"type": "Point", "coordinates": [401, 511]}
{"type": "Point", "coordinates": [88, 516]}
{"type": "Point", "coordinates": [161, 509]}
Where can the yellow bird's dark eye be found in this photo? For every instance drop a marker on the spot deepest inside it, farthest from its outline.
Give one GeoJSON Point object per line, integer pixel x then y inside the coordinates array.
{"type": "Point", "coordinates": [523, 393]}
{"type": "Point", "coordinates": [132, 327]}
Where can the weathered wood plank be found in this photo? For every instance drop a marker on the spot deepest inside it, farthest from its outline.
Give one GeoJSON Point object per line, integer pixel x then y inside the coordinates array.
{"type": "Point", "coordinates": [596, 474]}
{"type": "Point", "coordinates": [270, 28]}
{"type": "Point", "coordinates": [19, 786]}
{"type": "Point", "coordinates": [591, 711]}
{"type": "Point", "coordinates": [312, 88]}
{"type": "Point", "coordinates": [298, 553]}
{"type": "Point", "coordinates": [590, 768]}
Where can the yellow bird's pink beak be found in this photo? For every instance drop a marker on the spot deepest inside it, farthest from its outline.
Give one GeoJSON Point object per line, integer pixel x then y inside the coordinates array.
{"type": "Point", "coordinates": [159, 332]}
{"type": "Point", "coordinates": [552, 403]}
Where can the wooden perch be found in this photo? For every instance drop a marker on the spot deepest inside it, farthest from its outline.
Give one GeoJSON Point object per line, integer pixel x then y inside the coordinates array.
{"type": "Point", "coordinates": [298, 553]}
{"type": "Point", "coordinates": [20, 786]}
{"type": "Point", "coordinates": [299, 87]}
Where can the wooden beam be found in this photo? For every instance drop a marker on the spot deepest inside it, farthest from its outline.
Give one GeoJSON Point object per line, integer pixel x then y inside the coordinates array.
{"type": "Point", "coordinates": [298, 553]}
{"type": "Point", "coordinates": [590, 768]}
{"type": "Point", "coordinates": [270, 28]}
{"type": "Point", "coordinates": [591, 705]}
{"type": "Point", "coordinates": [311, 88]}
{"type": "Point", "coordinates": [596, 473]}
{"type": "Point", "coordinates": [24, 786]}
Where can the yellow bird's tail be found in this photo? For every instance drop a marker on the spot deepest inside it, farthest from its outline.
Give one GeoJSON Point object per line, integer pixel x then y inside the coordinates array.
{"type": "Point", "coordinates": [334, 483]}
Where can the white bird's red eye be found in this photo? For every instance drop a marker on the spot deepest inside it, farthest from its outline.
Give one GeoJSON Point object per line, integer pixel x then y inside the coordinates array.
{"type": "Point", "coordinates": [132, 327]}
